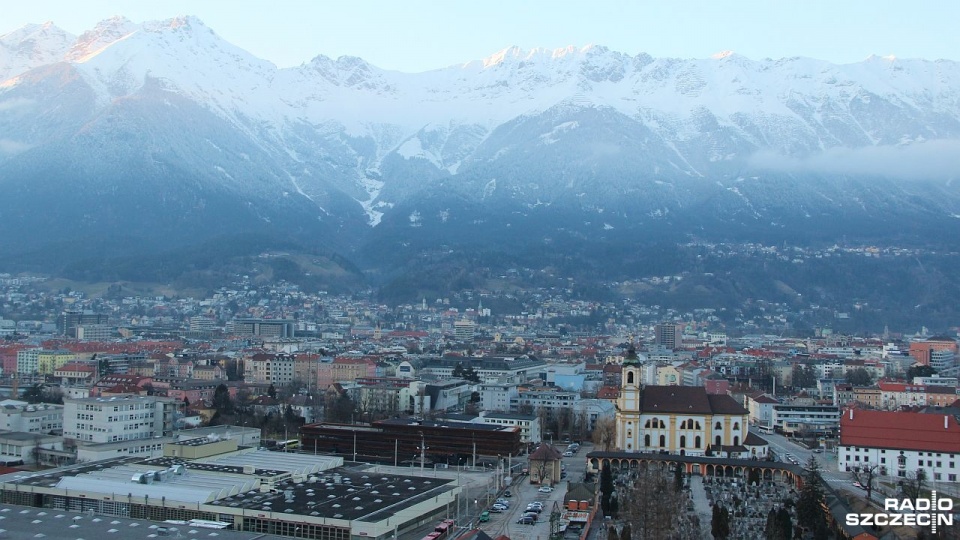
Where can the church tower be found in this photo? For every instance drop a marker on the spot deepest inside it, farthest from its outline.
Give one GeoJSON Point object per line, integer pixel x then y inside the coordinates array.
{"type": "Point", "coordinates": [628, 404]}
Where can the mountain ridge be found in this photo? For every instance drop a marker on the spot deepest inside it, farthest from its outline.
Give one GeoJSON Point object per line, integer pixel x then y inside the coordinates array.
{"type": "Point", "coordinates": [169, 131]}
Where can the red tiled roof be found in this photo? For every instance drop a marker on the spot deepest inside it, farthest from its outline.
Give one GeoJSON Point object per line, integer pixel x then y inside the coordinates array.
{"type": "Point", "coordinates": [608, 392]}
{"type": "Point", "coordinates": [546, 452]}
{"type": "Point", "coordinates": [900, 430]}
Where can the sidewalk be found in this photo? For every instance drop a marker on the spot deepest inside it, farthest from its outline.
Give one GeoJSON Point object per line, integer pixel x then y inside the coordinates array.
{"type": "Point", "coordinates": [701, 504]}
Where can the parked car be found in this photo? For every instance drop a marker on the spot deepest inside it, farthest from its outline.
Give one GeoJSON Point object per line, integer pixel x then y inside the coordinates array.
{"type": "Point", "coordinates": [536, 509]}
{"type": "Point", "coordinates": [526, 520]}
{"type": "Point", "coordinates": [507, 494]}
{"type": "Point", "coordinates": [568, 454]}
{"type": "Point", "coordinates": [503, 501]}
{"type": "Point", "coordinates": [498, 507]}
{"type": "Point", "coordinates": [545, 489]}
{"type": "Point", "coordinates": [484, 516]}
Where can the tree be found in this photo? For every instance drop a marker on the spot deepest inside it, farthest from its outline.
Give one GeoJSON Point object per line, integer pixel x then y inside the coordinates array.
{"type": "Point", "coordinates": [920, 371]}
{"type": "Point", "coordinates": [720, 522]}
{"type": "Point", "coordinates": [606, 490]}
{"type": "Point", "coordinates": [650, 503]}
{"type": "Point", "coordinates": [272, 392]}
{"type": "Point", "coordinates": [779, 525]}
{"type": "Point", "coordinates": [753, 477]}
{"type": "Point", "coordinates": [612, 534]}
{"type": "Point", "coordinates": [912, 487]}
{"type": "Point", "coordinates": [605, 433]}
{"type": "Point", "coordinates": [810, 505]}
{"type": "Point", "coordinates": [234, 370]}
{"type": "Point", "coordinates": [221, 400]}
{"type": "Point", "coordinates": [625, 532]}
{"type": "Point", "coordinates": [865, 474]}
{"type": "Point", "coordinates": [803, 376]}
{"type": "Point", "coordinates": [859, 377]}
{"type": "Point", "coordinates": [677, 477]}
{"type": "Point", "coordinates": [34, 394]}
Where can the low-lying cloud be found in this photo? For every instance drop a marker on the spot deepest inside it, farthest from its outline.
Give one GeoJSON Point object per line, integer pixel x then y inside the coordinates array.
{"type": "Point", "coordinates": [15, 103]}
{"type": "Point", "coordinates": [10, 147]}
{"type": "Point", "coordinates": [937, 159]}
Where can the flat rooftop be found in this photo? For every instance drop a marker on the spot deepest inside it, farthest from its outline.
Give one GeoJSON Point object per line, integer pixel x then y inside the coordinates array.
{"type": "Point", "coordinates": [62, 525]}
{"type": "Point", "coordinates": [343, 494]}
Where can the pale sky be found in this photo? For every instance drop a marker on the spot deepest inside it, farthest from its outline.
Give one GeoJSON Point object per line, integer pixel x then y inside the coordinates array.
{"type": "Point", "coordinates": [418, 35]}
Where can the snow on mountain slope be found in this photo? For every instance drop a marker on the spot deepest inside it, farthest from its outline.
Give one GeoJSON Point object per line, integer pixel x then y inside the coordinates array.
{"type": "Point", "coordinates": [32, 46]}
{"type": "Point", "coordinates": [603, 123]}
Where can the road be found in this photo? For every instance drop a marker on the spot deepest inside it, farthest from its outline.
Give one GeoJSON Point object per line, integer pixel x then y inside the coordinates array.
{"type": "Point", "coordinates": [524, 493]}
{"type": "Point", "coordinates": [829, 471]}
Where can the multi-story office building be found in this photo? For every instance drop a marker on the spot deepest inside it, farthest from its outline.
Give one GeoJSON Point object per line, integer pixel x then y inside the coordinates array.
{"type": "Point", "coordinates": [666, 335]}
{"type": "Point", "coordinates": [811, 418]}
{"type": "Point", "coordinates": [23, 417]}
{"type": "Point", "coordinates": [490, 369]}
{"type": "Point", "coordinates": [263, 327]}
{"type": "Point", "coordinates": [463, 330]}
{"type": "Point", "coordinates": [68, 321]}
{"type": "Point", "coordinates": [118, 418]}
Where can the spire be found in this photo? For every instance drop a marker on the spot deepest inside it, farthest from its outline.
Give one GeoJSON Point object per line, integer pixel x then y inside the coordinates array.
{"type": "Point", "coordinates": [632, 359]}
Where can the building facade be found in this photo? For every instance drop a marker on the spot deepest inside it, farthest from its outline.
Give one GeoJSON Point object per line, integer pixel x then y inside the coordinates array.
{"type": "Point", "coordinates": [118, 418]}
{"type": "Point", "coordinates": [676, 419]}
{"type": "Point", "coordinates": [898, 444]}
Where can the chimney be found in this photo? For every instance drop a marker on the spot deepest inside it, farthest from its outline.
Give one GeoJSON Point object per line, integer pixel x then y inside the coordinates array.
{"type": "Point", "coordinates": [946, 418]}
{"type": "Point", "coordinates": [851, 413]}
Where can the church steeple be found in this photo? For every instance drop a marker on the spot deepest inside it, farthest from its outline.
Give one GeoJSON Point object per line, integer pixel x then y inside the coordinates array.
{"type": "Point", "coordinates": [632, 358]}
{"type": "Point", "coordinates": [628, 404]}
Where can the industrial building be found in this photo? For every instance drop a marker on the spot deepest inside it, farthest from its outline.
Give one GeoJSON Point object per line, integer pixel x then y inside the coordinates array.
{"type": "Point", "coordinates": [400, 440]}
{"type": "Point", "coordinates": [284, 494]}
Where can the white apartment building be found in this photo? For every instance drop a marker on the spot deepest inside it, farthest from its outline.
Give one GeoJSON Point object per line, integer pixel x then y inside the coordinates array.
{"type": "Point", "coordinates": [23, 417]}
{"type": "Point", "coordinates": [529, 424]}
{"type": "Point", "coordinates": [28, 361]}
{"type": "Point", "coordinates": [497, 396]}
{"type": "Point", "coordinates": [795, 418]}
{"type": "Point", "coordinates": [119, 418]}
{"type": "Point", "coordinates": [275, 369]}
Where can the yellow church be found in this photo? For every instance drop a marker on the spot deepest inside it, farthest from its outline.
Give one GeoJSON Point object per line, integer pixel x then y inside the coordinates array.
{"type": "Point", "coordinates": [683, 420]}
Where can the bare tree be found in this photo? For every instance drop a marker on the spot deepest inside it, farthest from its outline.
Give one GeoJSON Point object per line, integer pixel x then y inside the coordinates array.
{"type": "Point", "coordinates": [605, 434]}
{"type": "Point", "coordinates": [865, 475]}
{"type": "Point", "coordinates": [650, 504]}
{"type": "Point", "coordinates": [913, 485]}
{"type": "Point", "coordinates": [563, 418]}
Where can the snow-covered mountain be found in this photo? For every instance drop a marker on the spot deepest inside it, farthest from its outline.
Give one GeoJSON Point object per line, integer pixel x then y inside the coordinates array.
{"type": "Point", "coordinates": [165, 127]}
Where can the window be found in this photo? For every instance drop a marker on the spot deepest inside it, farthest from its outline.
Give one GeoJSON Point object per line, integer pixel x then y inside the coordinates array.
{"type": "Point", "coordinates": [717, 426]}
{"type": "Point", "coordinates": [683, 441]}
{"type": "Point", "coordinates": [646, 440]}
{"type": "Point", "coordinates": [717, 441]}
{"type": "Point", "coordinates": [663, 441]}
{"type": "Point", "coordinates": [696, 442]}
